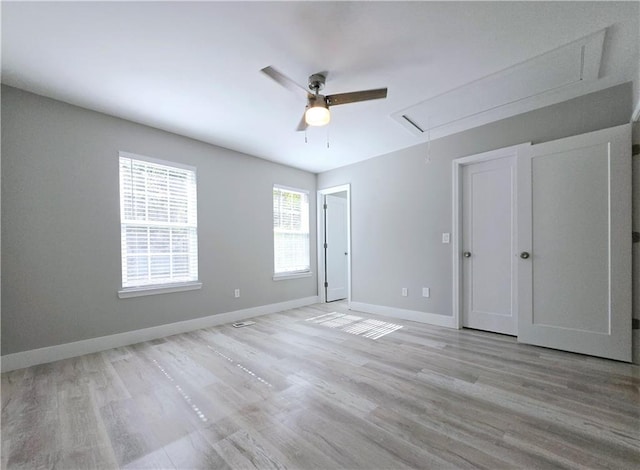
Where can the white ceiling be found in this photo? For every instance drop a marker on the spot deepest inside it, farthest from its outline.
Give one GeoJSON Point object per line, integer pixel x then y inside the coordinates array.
{"type": "Point", "coordinates": [194, 68]}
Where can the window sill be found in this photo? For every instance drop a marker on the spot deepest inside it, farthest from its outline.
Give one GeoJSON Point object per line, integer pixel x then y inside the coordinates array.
{"type": "Point", "coordinates": [153, 290]}
{"type": "Point", "coordinates": [285, 276]}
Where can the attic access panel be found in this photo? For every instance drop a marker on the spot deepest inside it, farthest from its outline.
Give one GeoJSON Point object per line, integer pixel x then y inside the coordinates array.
{"type": "Point", "coordinates": [519, 88]}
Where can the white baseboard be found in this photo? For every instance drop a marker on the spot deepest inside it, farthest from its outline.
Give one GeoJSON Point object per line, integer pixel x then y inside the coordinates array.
{"type": "Point", "coordinates": [87, 346]}
{"type": "Point", "coordinates": [413, 315]}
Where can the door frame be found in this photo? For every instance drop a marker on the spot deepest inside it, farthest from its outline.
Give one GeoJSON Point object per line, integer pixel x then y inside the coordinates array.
{"type": "Point", "coordinates": [456, 235]}
{"type": "Point", "coordinates": [322, 293]}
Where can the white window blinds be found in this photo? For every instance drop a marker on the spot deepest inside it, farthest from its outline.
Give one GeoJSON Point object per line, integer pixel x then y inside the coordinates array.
{"type": "Point", "coordinates": [290, 231]}
{"type": "Point", "coordinates": [159, 226]}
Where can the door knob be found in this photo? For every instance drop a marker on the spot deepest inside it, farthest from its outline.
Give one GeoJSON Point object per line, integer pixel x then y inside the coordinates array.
{"type": "Point", "coordinates": [466, 254]}
{"type": "Point", "coordinates": [524, 255]}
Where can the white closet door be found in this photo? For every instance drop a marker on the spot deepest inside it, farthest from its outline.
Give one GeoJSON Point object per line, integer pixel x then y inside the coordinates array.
{"type": "Point", "coordinates": [488, 243]}
{"type": "Point", "coordinates": [574, 229]}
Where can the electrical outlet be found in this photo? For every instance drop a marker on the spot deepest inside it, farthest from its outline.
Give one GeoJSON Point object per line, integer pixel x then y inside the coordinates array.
{"type": "Point", "coordinates": [446, 238]}
{"type": "Point", "coordinates": [236, 293]}
{"type": "Point", "coordinates": [404, 292]}
{"type": "Point", "coordinates": [426, 292]}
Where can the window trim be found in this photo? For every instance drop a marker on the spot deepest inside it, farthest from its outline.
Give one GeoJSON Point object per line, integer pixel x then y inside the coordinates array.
{"type": "Point", "coordinates": [129, 292]}
{"type": "Point", "coordinates": [300, 273]}
{"type": "Point", "coordinates": [158, 161]}
{"type": "Point", "coordinates": [165, 288]}
{"type": "Point", "coordinates": [291, 275]}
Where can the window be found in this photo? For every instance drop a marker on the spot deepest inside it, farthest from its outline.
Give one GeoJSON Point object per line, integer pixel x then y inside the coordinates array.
{"type": "Point", "coordinates": [290, 232]}
{"type": "Point", "coordinates": [159, 226]}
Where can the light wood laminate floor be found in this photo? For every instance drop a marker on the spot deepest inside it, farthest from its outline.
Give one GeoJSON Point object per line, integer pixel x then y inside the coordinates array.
{"type": "Point", "coordinates": [292, 393]}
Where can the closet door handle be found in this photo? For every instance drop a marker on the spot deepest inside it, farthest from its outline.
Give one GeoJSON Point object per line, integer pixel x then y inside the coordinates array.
{"type": "Point", "coordinates": [466, 254]}
{"type": "Point", "coordinates": [524, 255]}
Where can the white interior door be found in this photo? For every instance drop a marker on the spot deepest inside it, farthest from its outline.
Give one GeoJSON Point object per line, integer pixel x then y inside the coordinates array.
{"type": "Point", "coordinates": [574, 198]}
{"type": "Point", "coordinates": [488, 245]}
{"type": "Point", "coordinates": [336, 247]}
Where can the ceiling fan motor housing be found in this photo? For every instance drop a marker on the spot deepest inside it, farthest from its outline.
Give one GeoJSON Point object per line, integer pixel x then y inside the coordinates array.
{"type": "Point", "coordinates": [317, 100]}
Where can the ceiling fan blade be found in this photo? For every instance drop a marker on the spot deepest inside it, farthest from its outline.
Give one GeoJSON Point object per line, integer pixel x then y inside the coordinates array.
{"type": "Point", "coordinates": [302, 125]}
{"type": "Point", "coordinates": [355, 96]}
{"type": "Point", "coordinates": [284, 80]}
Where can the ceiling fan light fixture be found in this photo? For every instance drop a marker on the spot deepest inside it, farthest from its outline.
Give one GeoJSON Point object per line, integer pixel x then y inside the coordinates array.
{"type": "Point", "coordinates": [317, 109]}
{"type": "Point", "coordinates": [317, 114]}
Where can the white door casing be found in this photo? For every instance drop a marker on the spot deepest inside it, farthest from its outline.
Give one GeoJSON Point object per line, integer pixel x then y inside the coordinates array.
{"type": "Point", "coordinates": [342, 189]}
{"type": "Point", "coordinates": [336, 247]}
{"type": "Point", "coordinates": [489, 245]}
{"type": "Point", "coordinates": [574, 200]}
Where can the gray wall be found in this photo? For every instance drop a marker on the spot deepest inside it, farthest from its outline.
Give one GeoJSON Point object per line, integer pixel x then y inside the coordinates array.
{"type": "Point", "coordinates": [61, 226]}
{"type": "Point", "coordinates": [401, 204]}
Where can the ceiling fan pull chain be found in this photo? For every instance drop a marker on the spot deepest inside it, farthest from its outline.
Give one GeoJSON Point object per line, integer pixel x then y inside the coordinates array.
{"type": "Point", "coordinates": [327, 136]}
{"type": "Point", "coordinates": [305, 136]}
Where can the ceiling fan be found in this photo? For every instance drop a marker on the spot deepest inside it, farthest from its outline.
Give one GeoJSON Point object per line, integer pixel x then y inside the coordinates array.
{"type": "Point", "coordinates": [317, 109]}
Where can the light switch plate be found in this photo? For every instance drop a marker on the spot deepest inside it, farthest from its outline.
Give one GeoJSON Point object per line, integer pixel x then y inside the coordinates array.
{"type": "Point", "coordinates": [426, 292]}
{"type": "Point", "coordinates": [446, 238]}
